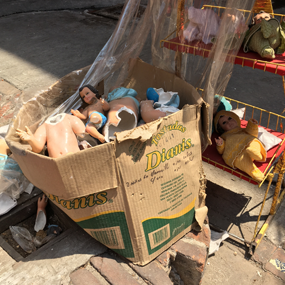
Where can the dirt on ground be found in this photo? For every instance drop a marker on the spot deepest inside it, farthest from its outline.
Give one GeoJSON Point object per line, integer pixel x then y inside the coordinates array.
{"type": "Point", "coordinates": [29, 224]}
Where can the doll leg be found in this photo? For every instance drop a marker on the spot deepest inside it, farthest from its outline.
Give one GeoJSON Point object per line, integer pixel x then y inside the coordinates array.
{"type": "Point", "coordinates": [255, 151]}
{"type": "Point", "coordinates": [148, 113]}
{"type": "Point", "coordinates": [91, 130]}
{"type": "Point", "coordinates": [95, 118]}
{"type": "Point", "coordinates": [244, 163]}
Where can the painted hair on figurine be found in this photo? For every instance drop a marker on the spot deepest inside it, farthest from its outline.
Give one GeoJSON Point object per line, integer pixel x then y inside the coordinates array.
{"type": "Point", "coordinates": [92, 89]}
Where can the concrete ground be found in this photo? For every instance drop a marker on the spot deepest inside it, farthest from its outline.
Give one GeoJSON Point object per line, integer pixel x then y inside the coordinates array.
{"type": "Point", "coordinates": [38, 48]}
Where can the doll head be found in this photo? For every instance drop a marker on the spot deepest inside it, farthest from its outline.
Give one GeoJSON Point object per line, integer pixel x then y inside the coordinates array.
{"type": "Point", "coordinates": [260, 16]}
{"type": "Point", "coordinates": [88, 94]}
{"type": "Point", "coordinates": [225, 121]}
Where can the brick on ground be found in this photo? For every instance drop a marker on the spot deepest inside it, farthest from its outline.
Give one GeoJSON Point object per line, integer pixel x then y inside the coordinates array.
{"type": "Point", "coordinates": [83, 277]}
{"type": "Point", "coordinates": [152, 272]}
{"type": "Point", "coordinates": [276, 264]}
{"type": "Point", "coordinates": [191, 255]}
{"type": "Point", "coordinates": [264, 251]}
{"type": "Point", "coordinates": [112, 271]}
{"type": "Point", "coordinates": [271, 279]}
{"type": "Point", "coordinates": [9, 96]}
{"type": "Point", "coordinates": [186, 259]}
{"type": "Point", "coordinates": [6, 89]}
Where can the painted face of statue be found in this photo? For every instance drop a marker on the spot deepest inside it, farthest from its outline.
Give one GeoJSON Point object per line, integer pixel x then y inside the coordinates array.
{"type": "Point", "coordinates": [227, 123]}
{"type": "Point", "coordinates": [88, 96]}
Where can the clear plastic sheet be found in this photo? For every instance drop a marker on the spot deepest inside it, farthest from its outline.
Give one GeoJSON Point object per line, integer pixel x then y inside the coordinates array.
{"type": "Point", "coordinates": [137, 32]}
{"type": "Point", "coordinates": [27, 241]}
{"type": "Point", "coordinates": [12, 180]}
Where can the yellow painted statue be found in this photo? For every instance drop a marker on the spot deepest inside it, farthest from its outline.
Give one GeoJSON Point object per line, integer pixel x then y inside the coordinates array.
{"type": "Point", "coordinates": [239, 146]}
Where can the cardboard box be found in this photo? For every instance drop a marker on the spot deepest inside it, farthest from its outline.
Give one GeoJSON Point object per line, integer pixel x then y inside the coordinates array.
{"type": "Point", "coordinates": [136, 195]}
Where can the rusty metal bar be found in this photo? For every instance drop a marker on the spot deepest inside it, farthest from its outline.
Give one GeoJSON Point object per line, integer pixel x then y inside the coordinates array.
{"type": "Point", "coordinates": [280, 169]}
{"type": "Point", "coordinates": [270, 177]}
{"type": "Point", "coordinates": [259, 237]}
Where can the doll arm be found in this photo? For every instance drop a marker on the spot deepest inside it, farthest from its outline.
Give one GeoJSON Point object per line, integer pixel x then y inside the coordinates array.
{"type": "Point", "coordinates": [252, 127]}
{"type": "Point", "coordinates": [36, 141]}
{"type": "Point", "coordinates": [77, 125]}
{"type": "Point", "coordinates": [105, 105]}
{"type": "Point", "coordinates": [220, 144]}
{"type": "Point", "coordinates": [82, 116]}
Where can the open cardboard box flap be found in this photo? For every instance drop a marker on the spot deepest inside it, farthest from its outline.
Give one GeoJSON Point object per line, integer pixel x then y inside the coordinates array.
{"type": "Point", "coordinates": [75, 175]}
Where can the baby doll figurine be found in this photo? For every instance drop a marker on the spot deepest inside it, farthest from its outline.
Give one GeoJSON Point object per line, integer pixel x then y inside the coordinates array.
{"type": "Point", "coordinates": [58, 132]}
{"type": "Point", "coordinates": [265, 36]}
{"type": "Point", "coordinates": [239, 146]}
{"type": "Point", "coordinates": [94, 112]}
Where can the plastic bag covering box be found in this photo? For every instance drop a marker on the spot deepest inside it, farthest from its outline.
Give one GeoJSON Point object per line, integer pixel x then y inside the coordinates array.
{"type": "Point", "coordinates": [138, 194]}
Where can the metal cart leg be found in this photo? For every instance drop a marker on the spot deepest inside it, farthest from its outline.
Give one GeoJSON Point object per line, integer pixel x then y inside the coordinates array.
{"type": "Point", "coordinates": [280, 169]}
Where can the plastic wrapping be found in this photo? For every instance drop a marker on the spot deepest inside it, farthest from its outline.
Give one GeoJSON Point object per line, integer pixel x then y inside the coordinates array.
{"type": "Point", "coordinates": [221, 23]}
{"type": "Point", "coordinates": [30, 243]}
{"type": "Point", "coordinates": [24, 238]}
{"type": "Point", "coordinates": [12, 180]}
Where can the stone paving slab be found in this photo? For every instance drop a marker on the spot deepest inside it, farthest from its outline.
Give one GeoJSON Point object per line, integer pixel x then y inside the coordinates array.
{"type": "Point", "coordinates": [276, 263]}
{"type": "Point", "coordinates": [9, 96]}
{"type": "Point", "coordinates": [112, 270]}
{"type": "Point", "coordinates": [76, 258]}
{"type": "Point", "coordinates": [54, 264]}
{"type": "Point", "coordinates": [271, 258]}
{"type": "Point", "coordinates": [264, 251]}
{"type": "Point", "coordinates": [154, 272]}
{"type": "Point", "coordinates": [83, 277]}
{"type": "Point", "coordinates": [165, 269]}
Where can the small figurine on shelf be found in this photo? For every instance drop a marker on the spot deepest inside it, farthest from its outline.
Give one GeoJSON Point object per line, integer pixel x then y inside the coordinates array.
{"type": "Point", "coordinates": [58, 132]}
{"type": "Point", "coordinates": [265, 35]}
{"type": "Point", "coordinates": [200, 24]}
{"type": "Point", "coordinates": [239, 146]}
{"type": "Point", "coordinates": [93, 112]}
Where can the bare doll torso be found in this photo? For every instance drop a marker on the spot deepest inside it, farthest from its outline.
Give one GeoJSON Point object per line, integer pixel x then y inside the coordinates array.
{"type": "Point", "coordinates": [96, 106]}
{"type": "Point", "coordinates": [60, 135]}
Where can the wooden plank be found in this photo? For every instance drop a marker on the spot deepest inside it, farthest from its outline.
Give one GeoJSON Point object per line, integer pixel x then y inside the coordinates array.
{"type": "Point", "coordinates": [10, 250]}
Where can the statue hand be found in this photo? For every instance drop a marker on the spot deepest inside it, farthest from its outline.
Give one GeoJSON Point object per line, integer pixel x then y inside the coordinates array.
{"type": "Point", "coordinates": [24, 135]}
{"type": "Point", "coordinates": [75, 112]}
{"type": "Point", "coordinates": [254, 121]}
{"type": "Point", "coordinates": [105, 104]}
{"type": "Point", "coordinates": [219, 141]}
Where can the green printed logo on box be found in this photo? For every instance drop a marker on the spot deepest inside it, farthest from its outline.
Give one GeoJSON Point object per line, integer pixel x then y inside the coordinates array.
{"type": "Point", "coordinates": [159, 231]}
{"type": "Point", "coordinates": [111, 229]}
